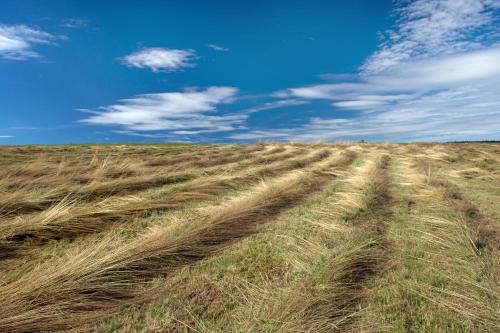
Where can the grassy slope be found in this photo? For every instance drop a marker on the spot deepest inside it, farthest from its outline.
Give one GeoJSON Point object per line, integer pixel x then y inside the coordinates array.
{"type": "Point", "coordinates": [398, 238]}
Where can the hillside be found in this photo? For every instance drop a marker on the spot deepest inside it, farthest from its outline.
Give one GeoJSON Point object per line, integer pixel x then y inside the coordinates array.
{"type": "Point", "coordinates": [250, 238]}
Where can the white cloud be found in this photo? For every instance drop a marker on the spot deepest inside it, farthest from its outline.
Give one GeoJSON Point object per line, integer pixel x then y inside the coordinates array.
{"type": "Point", "coordinates": [449, 97]}
{"type": "Point", "coordinates": [421, 75]}
{"type": "Point", "coordinates": [5, 136]}
{"type": "Point", "coordinates": [358, 104]}
{"type": "Point", "coordinates": [437, 78]}
{"type": "Point", "coordinates": [17, 41]}
{"type": "Point", "coordinates": [494, 3]}
{"type": "Point", "coordinates": [187, 112]}
{"type": "Point", "coordinates": [432, 27]}
{"type": "Point", "coordinates": [218, 47]}
{"type": "Point", "coordinates": [160, 59]}
{"type": "Point", "coordinates": [275, 105]}
{"type": "Point", "coordinates": [264, 134]}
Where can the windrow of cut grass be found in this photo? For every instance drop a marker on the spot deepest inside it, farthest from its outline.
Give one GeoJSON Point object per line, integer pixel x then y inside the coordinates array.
{"type": "Point", "coordinates": [106, 164]}
{"type": "Point", "coordinates": [265, 282]}
{"type": "Point", "coordinates": [81, 170]}
{"type": "Point", "coordinates": [438, 281]}
{"type": "Point", "coordinates": [482, 228]}
{"type": "Point", "coordinates": [23, 200]}
{"type": "Point", "coordinates": [63, 222]}
{"type": "Point", "coordinates": [97, 164]}
{"type": "Point", "coordinates": [17, 203]}
{"type": "Point", "coordinates": [441, 175]}
{"type": "Point", "coordinates": [259, 238]}
{"type": "Point", "coordinates": [236, 155]}
{"type": "Point", "coordinates": [462, 162]}
{"type": "Point", "coordinates": [336, 290]}
{"type": "Point", "coordinates": [23, 251]}
{"type": "Point", "coordinates": [226, 157]}
{"type": "Point", "coordinates": [105, 277]}
{"type": "Point", "coordinates": [168, 160]}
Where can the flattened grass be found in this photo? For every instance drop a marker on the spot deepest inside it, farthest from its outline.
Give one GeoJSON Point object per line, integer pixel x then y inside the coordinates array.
{"type": "Point", "coordinates": [404, 239]}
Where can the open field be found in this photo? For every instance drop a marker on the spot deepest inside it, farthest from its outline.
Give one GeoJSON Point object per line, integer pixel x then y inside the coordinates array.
{"type": "Point", "coordinates": [250, 238]}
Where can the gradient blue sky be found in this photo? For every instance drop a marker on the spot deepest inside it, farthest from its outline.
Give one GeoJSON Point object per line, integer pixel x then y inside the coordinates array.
{"type": "Point", "coordinates": [233, 71]}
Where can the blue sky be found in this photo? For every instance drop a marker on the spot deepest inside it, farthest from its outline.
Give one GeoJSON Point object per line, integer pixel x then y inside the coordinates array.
{"type": "Point", "coordinates": [233, 71]}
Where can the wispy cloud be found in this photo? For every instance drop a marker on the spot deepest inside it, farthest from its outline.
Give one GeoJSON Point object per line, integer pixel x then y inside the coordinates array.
{"type": "Point", "coordinates": [74, 23]}
{"type": "Point", "coordinates": [275, 105]}
{"type": "Point", "coordinates": [187, 112]}
{"type": "Point", "coordinates": [160, 59]}
{"type": "Point", "coordinates": [436, 78]}
{"type": "Point", "coordinates": [5, 136]}
{"type": "Point", "coordinates": [17, 42]}
{"type": "Point", "coordinates": [432, 27]}
{"type": "Point", "coordinates": [218, 48]}
{"type": "Point", "coordinates": [444, 72]}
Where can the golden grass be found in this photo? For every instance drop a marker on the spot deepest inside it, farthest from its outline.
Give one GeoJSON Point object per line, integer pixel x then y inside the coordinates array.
{"type": "Point", "coordinates": [250, 238]}
{"type": "Point", "coordinates": [270, 276]}
{"type": "Point", "coordinates": [61, 222]}
{"type": "Point", "coordinates": [439, 280]}
{"type": "Point", "coordinates": [333, 307]}
{"type": "Point", "coordinates": [17, 199]}
{"type": "Point", "coordinates": [107, 275]}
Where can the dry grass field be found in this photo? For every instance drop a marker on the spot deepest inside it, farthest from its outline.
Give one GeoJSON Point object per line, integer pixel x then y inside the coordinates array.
{"type": "Point", "coordinates": [250, 238]}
